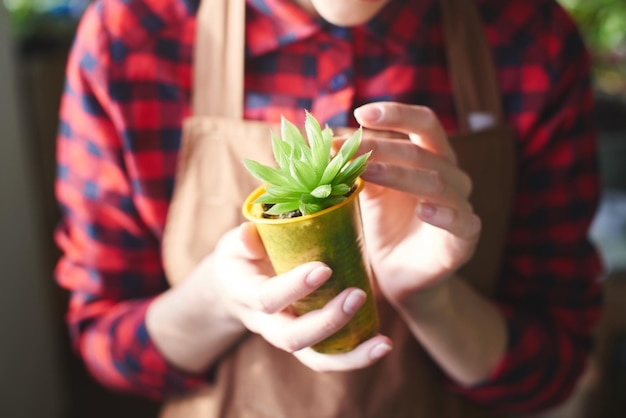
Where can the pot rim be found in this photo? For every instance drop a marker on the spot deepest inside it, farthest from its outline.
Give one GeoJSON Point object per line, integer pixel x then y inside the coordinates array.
{"type": "Point", "coordinates": [252, 215]}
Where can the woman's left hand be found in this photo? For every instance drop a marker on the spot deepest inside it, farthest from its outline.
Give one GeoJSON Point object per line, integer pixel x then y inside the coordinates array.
{"type": "Point", "coordinates": [419, 225]}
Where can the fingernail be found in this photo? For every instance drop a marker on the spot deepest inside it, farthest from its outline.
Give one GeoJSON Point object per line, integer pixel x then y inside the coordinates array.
{"type": "Point", "coordinates": [318, 276]}
{"type": "Point", "coordinates": [368, 113]}
{"type": "Point", "coordinates": [354, 301]}
{"type": "Point", "coordinates": [380, 350]}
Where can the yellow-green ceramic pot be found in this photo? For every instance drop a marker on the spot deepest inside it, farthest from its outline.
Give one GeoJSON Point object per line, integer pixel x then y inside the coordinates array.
{"type": "Point", "coordinates": [335, 237]}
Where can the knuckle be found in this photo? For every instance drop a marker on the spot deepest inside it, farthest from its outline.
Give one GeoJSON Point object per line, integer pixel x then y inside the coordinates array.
{"type": "Point", "coordinates": [265, 304]}
{"type": "Point", "coordinates": [392, 113]}
{"type": "Point", "coordinates": [428, 114]}
{"type": "Point", "coordinates": [418, 154]}
{"type": "Point", "coordinates": [331, 324]}
{"type": "Point", "coordinates": [291, 345]}
{"type": "Point", "coordinates": [473, 227]}
{"type": "Point", "coordinates": [428, 118]}
{"type": "Point", "coordinates": [464, 184]}
{"type": "Point", "coordinates": [438, 185]}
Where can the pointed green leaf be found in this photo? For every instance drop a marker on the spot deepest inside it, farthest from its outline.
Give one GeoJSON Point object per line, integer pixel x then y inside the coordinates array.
{"type": "Point", "coordinates": [281, 208]}
{"type": "Point", "coordinates": [308, 198]}
{"type": "Point", "coordinates": [292, 135]}
{"type": "Point", "coordinates": [309, 208]}
{"type": "Point", "coordinates": [331, 170]}
{"type": "Point", "coordinates": [327, 135]}
{"type": "Point", "coordinates": [332, 200]}
{"type": "Point", "coordinates": [320, 152]}
{"type": "Point", "coordinates": [340, 189]}
{"type": "Point", "coordinates": [282, 151]}
{"type": "Point", "coordinates": [349, 148]}
{"type": "Point", "coordinates": [302, 174]}
{"type": "Point", "coordinates": [281, 198]}
{"type": "Point", "coordinates": [353, 169]}
{"type": "Point", "coordinates": [266, 174]}
{"type": "Point", "coordinates": [322, 192]}
{"type": "Point", "coordinates": [278, 191]}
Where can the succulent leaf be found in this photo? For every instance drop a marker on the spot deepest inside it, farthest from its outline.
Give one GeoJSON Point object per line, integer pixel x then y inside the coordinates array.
{"type": "Point", "coordinates": [305, 173]}
{"type": "Point", "coordinates": [282, 150]}
{"type": "Point", "coordinates": [353, 169]}
{"type": "Point", "coordinates": [292, 135]}
{"type": "Point", "coordinates": [280, 208]}
{"type": "Point", "coordinates": [332, 169]}
{"type": "Point", "coordinates": [322, 192]}
{"type": "Point", "coordinates": [308, 178]}
{"type": "Point", "coordinates": [351, 145]}
{"type": "Point", "coordinates": [340, 189]}
{"type": "Point", "coordinates": [267, 174]}
{"type": "Point", "coordinates": [333, 200]}
{"type": "Point", "coordinates": [280, 191]}
{"type": "Point", "coordinates": [320, 144]}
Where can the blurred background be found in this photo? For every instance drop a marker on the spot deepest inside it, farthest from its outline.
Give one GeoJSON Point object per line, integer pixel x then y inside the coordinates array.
{"type": "Point", "coordinates": [39, 374]}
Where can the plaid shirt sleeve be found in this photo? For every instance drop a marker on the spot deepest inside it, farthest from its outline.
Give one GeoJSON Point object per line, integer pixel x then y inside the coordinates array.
{"type": "Point", "coordinates": [111, 258]}
{"type": "Point", "coordinates": [550, 293]}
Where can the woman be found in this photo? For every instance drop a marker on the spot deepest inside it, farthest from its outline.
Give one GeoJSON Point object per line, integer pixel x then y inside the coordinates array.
{"type": "Point", "coordinates": [486, 285]}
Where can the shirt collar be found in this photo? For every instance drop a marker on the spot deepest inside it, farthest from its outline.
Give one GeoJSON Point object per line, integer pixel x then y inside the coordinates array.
{"type": "Point", "coordinates": [272, 24]}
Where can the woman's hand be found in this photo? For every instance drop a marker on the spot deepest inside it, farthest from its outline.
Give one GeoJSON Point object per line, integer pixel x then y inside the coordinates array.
{"type": "Point", "coordinates": [261, 302]}
{"type": "Point", "coordinates": [234, 291]}
{"type": "Point", "coordinates": [419, 224]}
{"type": "Point", "coordinates": [419, 229]}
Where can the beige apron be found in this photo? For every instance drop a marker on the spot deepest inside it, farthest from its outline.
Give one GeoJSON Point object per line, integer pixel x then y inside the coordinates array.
{"type": "Point", "coordinates": [256, 379]}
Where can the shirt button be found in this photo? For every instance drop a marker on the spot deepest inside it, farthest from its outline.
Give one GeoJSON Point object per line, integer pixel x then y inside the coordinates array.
{"type": "Point", "coordinates": [338, 82]}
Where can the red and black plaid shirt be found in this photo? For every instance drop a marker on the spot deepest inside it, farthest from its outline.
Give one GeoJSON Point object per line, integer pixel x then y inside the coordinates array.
{"type": "Point", "coordinates": [128, 90]}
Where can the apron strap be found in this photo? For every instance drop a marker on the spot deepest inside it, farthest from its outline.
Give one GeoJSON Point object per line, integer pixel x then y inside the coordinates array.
{"type": "Point", "coordinates": [470, 61]}
{"type": "Point", "coordinates": [218, 67]}
{"type": "Point", "coordinates": [218, 88]}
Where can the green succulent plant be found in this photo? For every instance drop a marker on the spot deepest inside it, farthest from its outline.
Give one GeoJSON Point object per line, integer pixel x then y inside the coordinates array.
{"type": "Point", "coordinates": [308, 177]}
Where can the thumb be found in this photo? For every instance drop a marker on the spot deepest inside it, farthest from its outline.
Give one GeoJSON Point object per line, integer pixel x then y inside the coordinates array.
{"type": "Point", "coordinates": [249, 236]}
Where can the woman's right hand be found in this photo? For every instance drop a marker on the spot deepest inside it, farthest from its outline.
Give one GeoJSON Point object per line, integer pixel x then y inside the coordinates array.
{"type": "Point", "coordinates": [243, 277]}
{"type": "Point", "coordinates": [235, 290]}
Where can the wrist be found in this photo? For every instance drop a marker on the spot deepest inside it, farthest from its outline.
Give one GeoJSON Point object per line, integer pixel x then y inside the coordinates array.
{"type": "Point", "coordinates": [190, 324]}
{"type": "Point", "coordinates": [462, 330]}
{"type": "Point", "coordinates": [429, 301]}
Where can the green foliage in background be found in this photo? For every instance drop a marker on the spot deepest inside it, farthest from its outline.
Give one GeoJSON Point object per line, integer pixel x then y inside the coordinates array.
{"type": "Point", "coordinates": [44, 18]}
{"type": "Point", "coordinates": [603, 25]}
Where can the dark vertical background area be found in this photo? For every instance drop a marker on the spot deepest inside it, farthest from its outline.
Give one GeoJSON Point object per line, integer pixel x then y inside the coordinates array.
{"type": "Point", "coordinates": [40, 79]}
{"type": "Point", "coordinates": [39, 51]}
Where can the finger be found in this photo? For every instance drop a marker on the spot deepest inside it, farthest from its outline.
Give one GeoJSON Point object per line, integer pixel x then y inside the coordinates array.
{"type": "Point", "coordinates": [400, 152]}
{"type": "Point", "coordinates": [276, 293]}
{"type": "Point", "coordinates": [362, 356]}
{"type": "Point", "coordinates": [319, 324]}
{"type": "Point", "coordinates": [462, 224]}
{"type": "Point", "coordinates": [451, 187]}
{"type": "Point", "coordinates": [418, 122]}
{"type": "Point", "coordinates": [249, 278]}
{"type": "Point", "coordinates": [251, 240]}
{"type": "Point", "coordinates": [242, 242]}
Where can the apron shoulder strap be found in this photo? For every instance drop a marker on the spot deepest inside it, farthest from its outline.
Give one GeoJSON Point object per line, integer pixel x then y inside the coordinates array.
{"type": "Point", "coordinates": [470, 62]}
{"type": "Point", "coordinates": [218, 72]}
